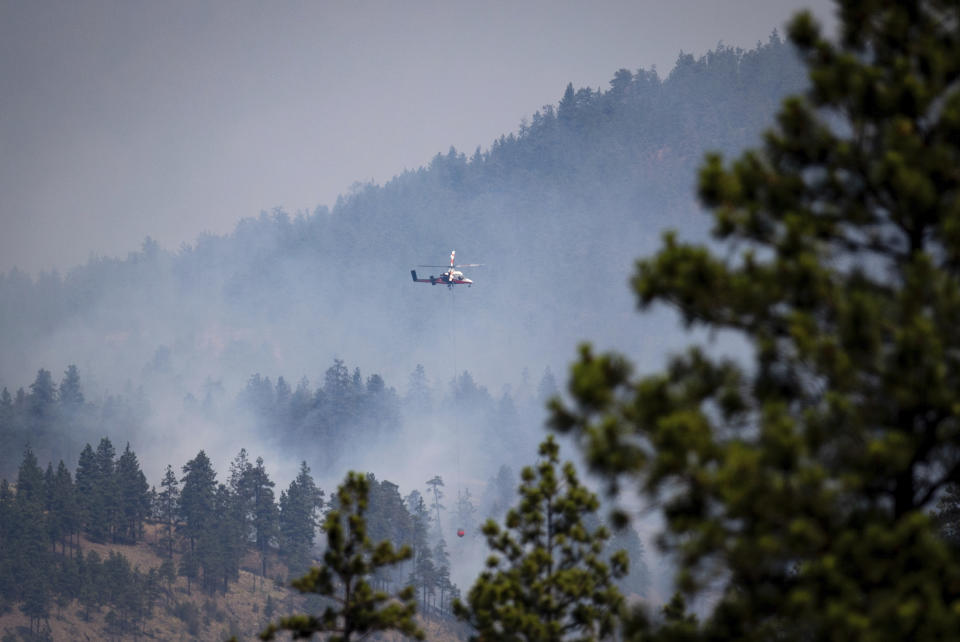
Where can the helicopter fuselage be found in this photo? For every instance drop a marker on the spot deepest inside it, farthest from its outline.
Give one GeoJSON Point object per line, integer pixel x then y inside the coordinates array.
{"type": "Point", "coordinates": [446, 278]}
{"type": "Point", "coordinates": [451, 277]}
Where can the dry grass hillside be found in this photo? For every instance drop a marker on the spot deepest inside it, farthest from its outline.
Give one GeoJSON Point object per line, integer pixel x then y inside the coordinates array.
{"type": "Point", "coordinates": [185, 615]}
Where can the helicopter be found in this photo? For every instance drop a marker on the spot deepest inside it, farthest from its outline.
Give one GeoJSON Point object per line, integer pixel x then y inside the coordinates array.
{"type": "Point", "coordinates": [451, 277]}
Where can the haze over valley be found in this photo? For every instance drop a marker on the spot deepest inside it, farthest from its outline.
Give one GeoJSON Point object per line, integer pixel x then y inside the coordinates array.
{"type": "Point", "coordinates": [299, 336]}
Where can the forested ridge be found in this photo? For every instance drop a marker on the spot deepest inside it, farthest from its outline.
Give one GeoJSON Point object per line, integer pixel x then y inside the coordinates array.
{"type": "Point", "coordinates": [202, 532]}
{"type": "Point", "coordinates": [323, 423]}
{"type": "Point", "coordinates": [556, 209]}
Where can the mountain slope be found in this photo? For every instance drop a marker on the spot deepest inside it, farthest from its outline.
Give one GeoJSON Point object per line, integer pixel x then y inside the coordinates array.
{"type": "Point", "coordinates": [556, 211]}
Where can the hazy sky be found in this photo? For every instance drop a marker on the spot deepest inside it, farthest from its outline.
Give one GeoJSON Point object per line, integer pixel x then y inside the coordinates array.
{"type": "Point", "coordinates": [124, 119]}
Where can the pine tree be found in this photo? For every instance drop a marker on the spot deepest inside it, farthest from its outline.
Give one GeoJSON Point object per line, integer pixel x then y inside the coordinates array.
{"type": "Point", "coordinates": [70, 393]}
{"type": "Point", "coordinates": [240, 469]}
{"type": "Point", "coordinates": [299, 507]}
{"type": "Point", "coordinates": [547, 579]}
{"type": "Point", "coordinates": [418, 539]}
{"type": "Point", "coordinates": [221, 543]}
{"type": "Point", "coordinates": [337, 394]}
{"type": "Point", "coordinates": [30, 558]}
{"type": "Point", "coordinates": [30, 486]}
{"type": "Point", "coordinates": [264, 516]}
{"type": "Point", "coordinates": [443, 584]}
{"type": "Point", "coordinates": [197, 497]}
{"type": "Point", "coordinates": [350, 558]}
{"type": "Point", "coordinates": [387, 519]}
{"type": "Point", "coordinates": [65, 508]}
{"type": "Point", "coordinates": [104, 523]}
{"type": "Point", "coordinates": [54, 522]}
{"type": "Point", "coordinates": [43, 396]}
{"type": "Point", "coordinates": [797, 489]}
{"type": "Point", "coordinates": [169, 508]}
{"type": "Point", "coordinates": [434, 485]}
{"type": "Point", "coordinates": [48, 477]}
{"type": "Point", "coordinates": [134, 494]}
{"type": "Point", "coordinates": [88, 501]}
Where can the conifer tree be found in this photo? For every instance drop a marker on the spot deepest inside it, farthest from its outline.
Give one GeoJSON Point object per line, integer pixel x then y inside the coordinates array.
{"type": "Point", "coordinates": [443, 584]}
{"type": "Point", "coordinates": [70, 393]}
{"type": "Point", "coordinates": [423, 577]}
{"type": "Point", "coordinates": [88, 501]}
{"type": "Point", "coordinates": [197, 497]}
{"type": "Point", "coordinates": [221, 542]}
{"type": "Point", "coordinates": [418, 540]}
{"type": "Point", "coordinates": [104, 523]}
{"type": "Point", "coordinates": [242, 508]}
{"type": "Point", "coordinates": [65, 508]}
{"type": "Point", "coordinates": [387, 519]}
{"type": "Point", "coordinates": [299, 506]}
{"type": "Point", "coordinates": [43, 396]}
{"type": "Point", "coordinates": [168, 501]}
{"type": "Point", "coordinates": [48, 477]}
{"type": "Point", "coordinates": [546, 580]}
{"type": "Point", "coordinates": [30, 485]}
{"type": "Point", "coordinates": [30, 558]}
{"type": "Point", "coordinates": [134, 494]}
{"type": "Point", "coordinates": [351, 557]}
{"type": "Point", "coordinates": [798, 488]}
{"type": "Point", "coordinates": [264, 517]}
{"type": "Point", "coordinates": [60, 506]}
{"type": "Point", "coordinates": [434, 484]}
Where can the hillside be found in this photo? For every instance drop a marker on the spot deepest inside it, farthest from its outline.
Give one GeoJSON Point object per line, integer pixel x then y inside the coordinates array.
{"type": "Point", "coordinates": [178, 614]}
{"type": "Point", "coordinates": [556, 211]}
{"type": "Point", "coordinates": [182, 614]}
